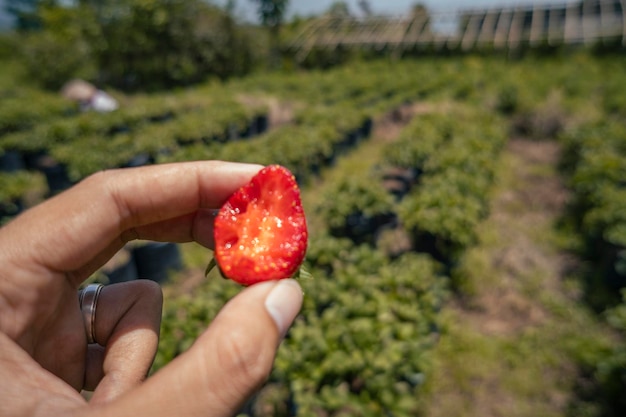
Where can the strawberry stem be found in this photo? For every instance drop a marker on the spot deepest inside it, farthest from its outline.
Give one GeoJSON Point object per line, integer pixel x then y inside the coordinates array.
{"type": "Point", "coordinates": [210, 267]}
{"type": "Point", "coordinates": [303, 274]}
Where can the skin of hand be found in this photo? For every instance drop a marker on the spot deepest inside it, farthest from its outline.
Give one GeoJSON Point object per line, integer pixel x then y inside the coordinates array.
{"type": "Point", "coordinates": [49, 250]}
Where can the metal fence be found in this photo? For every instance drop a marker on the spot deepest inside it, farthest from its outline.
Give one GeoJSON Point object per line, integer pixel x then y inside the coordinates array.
{"type": "Point", "coordinates": [586, 22]}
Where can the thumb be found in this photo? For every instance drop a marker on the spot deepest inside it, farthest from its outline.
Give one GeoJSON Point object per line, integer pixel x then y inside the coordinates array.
{"type": "Point", "coordinates": [227, 363]}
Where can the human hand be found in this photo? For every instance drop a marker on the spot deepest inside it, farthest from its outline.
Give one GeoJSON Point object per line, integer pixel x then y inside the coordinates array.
{"type": "Point", "coordinates": [48, 251]}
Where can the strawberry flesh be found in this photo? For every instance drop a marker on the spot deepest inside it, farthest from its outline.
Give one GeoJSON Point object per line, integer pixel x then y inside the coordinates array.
{"type": "Point", "coordinates": [260, 232]}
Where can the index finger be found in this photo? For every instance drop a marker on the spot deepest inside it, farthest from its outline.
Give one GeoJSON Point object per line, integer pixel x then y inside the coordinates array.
{"type": "Point", "coordinates": [76, 226]}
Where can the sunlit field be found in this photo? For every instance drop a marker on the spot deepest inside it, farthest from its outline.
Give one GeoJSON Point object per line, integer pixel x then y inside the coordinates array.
{"type": "Point", "coordinates": [467, 218]}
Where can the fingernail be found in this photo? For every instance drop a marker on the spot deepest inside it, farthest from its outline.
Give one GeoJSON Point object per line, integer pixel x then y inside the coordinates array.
{"type": "Point", "coordinates": [283, 304]}
{"type": "Point", "coordinates": [243, 168]}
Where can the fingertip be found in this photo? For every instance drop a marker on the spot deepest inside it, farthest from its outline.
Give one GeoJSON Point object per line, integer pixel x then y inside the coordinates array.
{"type": "Point", "coordinates": [283, 304]}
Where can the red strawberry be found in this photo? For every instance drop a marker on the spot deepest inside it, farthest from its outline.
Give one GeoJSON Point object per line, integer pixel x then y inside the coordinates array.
{"type": "Point", "coordinates": [260, 232]}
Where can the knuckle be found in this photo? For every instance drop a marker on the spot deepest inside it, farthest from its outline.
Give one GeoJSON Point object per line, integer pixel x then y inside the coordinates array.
{"type": "Point", "coordinates": [149, 289]}
{"type": "Point", "coordinates": [149, 292]}
{"type": "Point", "coordinates": [101, 178]}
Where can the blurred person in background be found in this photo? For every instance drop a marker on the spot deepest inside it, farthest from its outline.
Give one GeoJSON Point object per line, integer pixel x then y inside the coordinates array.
{"type": "Point", "coordinates": [89, 97]}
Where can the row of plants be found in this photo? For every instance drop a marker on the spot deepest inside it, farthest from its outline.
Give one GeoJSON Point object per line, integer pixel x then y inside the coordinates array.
{"type": "Point", "coordinates": [25, 108]}
{"type": "Point", "coordinates": [188, 124]}
{"type": "Point", "coordinates": [374, 87]}
{"type": "Point", "coordinates": [363, 209]}
{"type": "Point", "coordinates": [452, 195]}
{"type": "Point", "coordinates": [354, 350]}
{"type": "Point", "coordinates": [594, 161]}
{"type": "Point", "coordinates": [149, 142]}
{"type": "Point", "coordinates": [191, 125]}
{"type": "Point", "coordinates": [512, 87]}
{"type": "Point", "coordinates": [135, 113]}
{"type": "Point", "coordinates": [457, 151]}
{"type": "Point", "coordinates": [14, 188]}
{"type": "Point", "coordinates": [366, 349]}
{"type": "Point", "coordinates": [444, 164]}
{"type": "Point", "coordinates": [194, 124]}
{"type": "Point", "coordinates": [594, 165]}
{"type": "Point", "coordinates": [313, 141]}
{"type": "Point", "coordinates": [133, 135]}
{"type": "Point", "coordinates": [159, 125]}
{"type": "Point", "coordinates": [365, 85]}
{"type": "Point", "coordinates": [362, 349]}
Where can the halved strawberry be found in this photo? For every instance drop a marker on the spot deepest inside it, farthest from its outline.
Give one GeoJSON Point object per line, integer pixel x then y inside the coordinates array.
{"type": "Point", "coordinates": [260, 232]}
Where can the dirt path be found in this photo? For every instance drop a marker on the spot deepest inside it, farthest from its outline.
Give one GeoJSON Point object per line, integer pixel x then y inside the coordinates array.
{"type": "Point", "coordinates": [506, 345]}
{"type": "Point", "coordinates": [522, 256]}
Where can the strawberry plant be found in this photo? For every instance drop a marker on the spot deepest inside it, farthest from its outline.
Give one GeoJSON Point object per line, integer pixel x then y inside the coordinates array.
{"type": "Point", "coordinates": [356, 207]}
{"type": "Point", "coordinates": [14, 187]}
{"type": "Point", "coordinates": [455, 156]}
{"type": "Point", "coordinates": [91, 154]}
{"type": "Point", "coordinates": [363, 350]}
{"type": "Point", "coordinates": [594, 160]}
{"type": "Point", "coordinates": [24, 109]}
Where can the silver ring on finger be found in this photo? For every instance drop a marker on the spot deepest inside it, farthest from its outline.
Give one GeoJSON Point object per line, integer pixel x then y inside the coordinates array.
{"type": "Point", "coordinates": [88, 300]}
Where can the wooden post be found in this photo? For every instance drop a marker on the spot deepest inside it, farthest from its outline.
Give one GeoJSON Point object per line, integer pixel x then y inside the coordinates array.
{"type": "Point", "coordinates": [502, 29]}
{"type": "Point", "coordinates": [487, 32]}
{"type": "Point", "coordinates": [373, 33]}
{"type": "Point", "coordinates": [623, 2]}
{"type": "Point", "coordinates": [604, 19]}
{"type": "Point", "coordinates": [309, 40]}
{"type": "Point", "coordinates": [573, 27]}
{"type": "Point", "coordinates": [420, 31]}
{"type": "Point", "coordinates": [586, 21]}
{"type": "Point", "coordinates": [394, 32]}
{"type": "Point", "coordinates": [589, 23]}
{"type": "Point", "coordinates": [537, 24]}
{"type": "Point", "coordinates": [610, 21]}
{"type": "Point", "coordinates": [335, 39]}
{"type": "Point", "coordinates": [470, 35]}
{"type": "Point", "coordinates": [515, 30]}
{"type": "Point", "coordinates": [555, 32]}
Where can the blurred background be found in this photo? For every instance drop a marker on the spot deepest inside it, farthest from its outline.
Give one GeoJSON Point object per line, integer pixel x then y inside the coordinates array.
{"type": "Point", "coordinates": [462, 167]}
